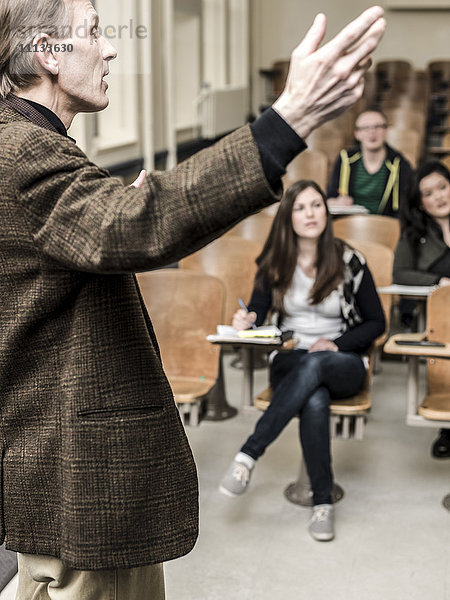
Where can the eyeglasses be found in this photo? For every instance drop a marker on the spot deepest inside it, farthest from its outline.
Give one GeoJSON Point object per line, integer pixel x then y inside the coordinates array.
{"type": "Point", "coordinates": [378, 127]}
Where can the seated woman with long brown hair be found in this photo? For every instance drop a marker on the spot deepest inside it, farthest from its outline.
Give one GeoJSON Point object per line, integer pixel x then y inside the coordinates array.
{"type": "Point", "coordinates": [322, 289]}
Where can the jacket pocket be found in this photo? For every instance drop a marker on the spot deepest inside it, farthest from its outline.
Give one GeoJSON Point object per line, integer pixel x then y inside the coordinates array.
{"type": "Point", "coordinates": [124, 412]}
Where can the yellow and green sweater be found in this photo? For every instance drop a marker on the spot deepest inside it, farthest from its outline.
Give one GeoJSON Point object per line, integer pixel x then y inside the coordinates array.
{"type": "Point", "coordinates": [381, 192]}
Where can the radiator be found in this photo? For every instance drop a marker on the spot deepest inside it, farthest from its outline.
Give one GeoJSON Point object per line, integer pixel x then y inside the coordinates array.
{"type": "Point", "coordinates": [222, 110]}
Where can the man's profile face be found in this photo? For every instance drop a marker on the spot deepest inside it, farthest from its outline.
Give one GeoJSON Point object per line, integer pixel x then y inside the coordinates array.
{"type": "Point", "coordinates": [81, 71]}
{"type": "Point", "coordinates": [370, 131]}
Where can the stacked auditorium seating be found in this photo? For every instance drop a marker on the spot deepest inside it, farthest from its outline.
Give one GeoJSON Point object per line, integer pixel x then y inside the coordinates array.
{"type": "Point", "coordinates": [416, 103]}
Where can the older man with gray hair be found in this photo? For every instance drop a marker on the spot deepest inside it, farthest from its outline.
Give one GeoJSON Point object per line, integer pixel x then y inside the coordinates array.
{"type": "Point", "coordinates": [99, 486]}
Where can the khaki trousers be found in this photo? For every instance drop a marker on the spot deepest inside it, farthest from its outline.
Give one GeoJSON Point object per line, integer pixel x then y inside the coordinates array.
{"type": "Point", "coordinates": [46, 578]}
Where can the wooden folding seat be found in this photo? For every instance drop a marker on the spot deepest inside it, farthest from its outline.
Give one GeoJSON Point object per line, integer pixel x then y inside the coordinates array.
{"type": "Point", "coordinates": [434, 409]}
{"type": "Point", "coordinates": [185, 307]}
{"type": "Point", "coordinates": [419, 88]}
{"type": "Point", "coordinates": [380, 260]}
{"type": "Point", "coordinates": [406, 141]}
{"type": "Point", "coordinates": [232, 260]}
{"type": "Point", "coordinates": [392, 74]}
{"type": "Point", "coordinates": [345, 123]}
{"type": "Point", "coordinates": [369, 97]}
{"type": "Point", "coordinates": [393, 70]}
{"type": "Point", "coordinates": [395, 100]}
{"type": "Point", "coordinates": [404, 117]}
{"type": "Point", "coordinates": [256, 227]}
{"type": "Point", "coordinates": [373, 228]}
{"type": "Point", "coordinates": [280, 70]}
{"type": "Point", "coordinates": [329, 140]}
{"type": "Point", "coordinates": [275, 78]}
{"type": "Point", "coordinates": [310, 164]}
{"type": "Point", "coordinates": [436, 404]}
{"type": "Point", "coordinates": [439, 71]}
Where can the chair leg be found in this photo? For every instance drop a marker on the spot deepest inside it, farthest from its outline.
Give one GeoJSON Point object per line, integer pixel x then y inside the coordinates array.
{"type": "Point", "coordinates": [377, 361]}
{"type": "Point", "coordinates": [217, 407]}
{"type": "Point", "coordinates": [299, 492]}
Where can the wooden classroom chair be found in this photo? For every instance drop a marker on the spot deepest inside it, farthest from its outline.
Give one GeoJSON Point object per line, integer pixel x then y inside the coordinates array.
{"type": "Point", "coordinates": [310, 164]}
{"type": "Point", "coordinates": [327, 139]}
{"type": "Point", "coordinates": [407, 118]}
{"type": "Point", "coordinates": [436, 404]}
{"type": "Point", "coordinates": [185, 307]}
{"type": "Point", "coordinates": [406, 141]}
{"type": "Point", "coordinates": [439, 71]}
{"type": "Point", "coordinates": [380, 260]}
{"type": "Point", "coordinates": [256, 228]}
{"type": "Point", "coordinates": [374, 228]}
{"type": "Point", "coordinates": [434, 409]}
{"type": "Point", "coordinates": [233, 261]}
{"type": "Point", "coordinates": [392, 72]}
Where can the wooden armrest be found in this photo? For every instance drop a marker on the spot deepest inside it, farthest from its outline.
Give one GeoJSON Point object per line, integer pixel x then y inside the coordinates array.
{"type": "Point", "coordinates": [436, 407]}
{"type": "Point", "coordinates": [391, 347]}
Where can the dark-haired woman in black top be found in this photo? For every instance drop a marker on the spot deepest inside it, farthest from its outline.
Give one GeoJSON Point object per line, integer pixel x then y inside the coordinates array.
{"type": "Point", "coordinates": [422, 256]}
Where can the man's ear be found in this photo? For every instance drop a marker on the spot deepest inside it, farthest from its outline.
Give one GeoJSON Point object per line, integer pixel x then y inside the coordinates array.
{"type": "Point", "coordinates": [44, 54]}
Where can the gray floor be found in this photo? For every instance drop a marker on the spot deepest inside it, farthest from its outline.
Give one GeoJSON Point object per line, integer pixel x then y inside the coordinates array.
{"type": "Point", "coordinates": [392, 533]}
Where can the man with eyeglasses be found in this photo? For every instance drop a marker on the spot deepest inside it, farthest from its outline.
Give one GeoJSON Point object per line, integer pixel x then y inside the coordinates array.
{"type": "Point", "coordinates": [371, 173]}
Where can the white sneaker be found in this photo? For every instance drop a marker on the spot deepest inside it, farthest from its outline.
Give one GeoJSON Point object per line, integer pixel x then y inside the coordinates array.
{"type": "Point", "coordinates": [236, 479]}
{"type": "Point", "coordinates": [321, 525]}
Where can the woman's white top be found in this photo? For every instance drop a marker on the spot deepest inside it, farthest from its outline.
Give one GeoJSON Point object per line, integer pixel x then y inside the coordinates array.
{"type": "Point", "coordinates": [311, 322]}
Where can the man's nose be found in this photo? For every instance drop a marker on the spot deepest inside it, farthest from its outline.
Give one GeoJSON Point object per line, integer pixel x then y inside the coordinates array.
{"type": "Point", "coordinates": [109, 52]}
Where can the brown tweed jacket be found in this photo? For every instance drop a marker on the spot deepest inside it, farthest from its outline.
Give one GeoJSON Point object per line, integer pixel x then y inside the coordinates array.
{"type": "Point", "coordinates": [96, 468]}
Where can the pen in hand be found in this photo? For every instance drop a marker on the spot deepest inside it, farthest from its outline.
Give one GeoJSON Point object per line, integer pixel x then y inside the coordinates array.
{"type": "Point", "coordinates": [242, 305]}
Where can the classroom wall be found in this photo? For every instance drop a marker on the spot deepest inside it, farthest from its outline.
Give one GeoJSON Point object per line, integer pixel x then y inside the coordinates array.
{"type": "Point", "coordinates": [156, 81]}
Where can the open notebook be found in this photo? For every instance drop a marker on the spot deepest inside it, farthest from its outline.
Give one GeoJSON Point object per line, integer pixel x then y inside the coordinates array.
{"type": "Point", "coordinates": [266, 334]}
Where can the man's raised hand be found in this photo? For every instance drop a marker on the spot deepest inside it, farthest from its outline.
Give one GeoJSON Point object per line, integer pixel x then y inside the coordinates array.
{"type": "Point", "coordinates": [324, 81]}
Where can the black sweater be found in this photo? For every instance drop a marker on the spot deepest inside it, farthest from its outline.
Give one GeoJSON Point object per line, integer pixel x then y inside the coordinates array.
{"type": "Point", "coordinates": [357, 339]}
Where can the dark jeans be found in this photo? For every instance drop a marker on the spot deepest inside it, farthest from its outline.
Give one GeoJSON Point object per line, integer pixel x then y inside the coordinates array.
{"type": "Point", "coordinates": [303, 385]}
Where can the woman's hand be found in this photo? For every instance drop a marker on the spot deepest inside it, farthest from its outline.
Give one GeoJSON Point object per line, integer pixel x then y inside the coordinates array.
{"type": "Point", "coordinates": [322, 344]}
{"type": "Point", "coordinates": [243, 320]}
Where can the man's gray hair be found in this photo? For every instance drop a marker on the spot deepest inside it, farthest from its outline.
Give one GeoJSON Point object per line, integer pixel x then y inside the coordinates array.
{"type": "Point", "coordinates": [20, 22]}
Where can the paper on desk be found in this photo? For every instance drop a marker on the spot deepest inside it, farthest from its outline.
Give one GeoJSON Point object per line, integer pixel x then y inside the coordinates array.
{"type": "Point", "coordinates": [267, 331]}
{"type": "Point", "coordinates": [263, 331]}
{"type": "Point", "coordinates": [226, 333]}
{"type": "Point", "coordinates": [407, 290]}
